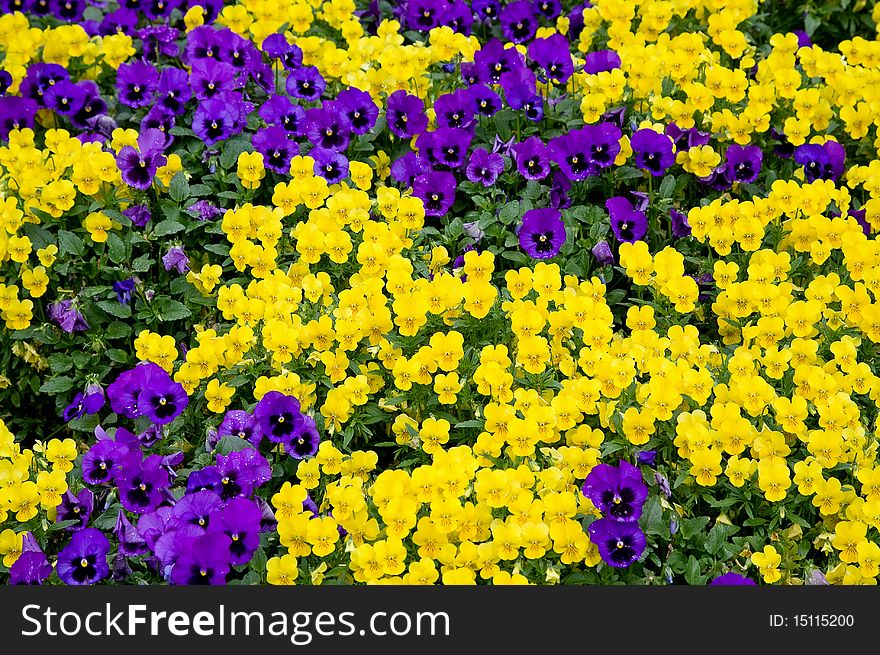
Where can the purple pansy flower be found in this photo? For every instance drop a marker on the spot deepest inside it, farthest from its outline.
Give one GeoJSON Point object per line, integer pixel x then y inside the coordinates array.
{"type": "Point", "coordinates": [75, 508]}
{"type": "Point", "coordinates": [210, 77]}
{"type": "Point", "coordinates": [743, 163]}
{"type": "Point", "coordinates": [89, 402]}
{"type": "Point", "coordinates": [328, 127]}
{"type": "Point", "coordinates": [205, 210]}
{"type": "Point", "coordinates": [628, 224]}
{"type": "Point", "coordinates": [141, 485]}
{"type": "Point", "coordinates": [139, 215]}
{"type": "Point", "coordinates": [542, 233]}
{"type": "Point", "coordinates": [67, 315]}
{"type": "Point", "coordinates": [732, 579]}
{"type": "Point", "coordinates": [131, 544]}
{"type": "Point", "coordinates": [532, 158]}
{"type": "Point", "coordinates": [241, 424]}
{"type": "Point", "coordinates": [445, 147]}
{"type": "Point", "coordinates": [305, 83]}
{"type": "Point", "coordinates": [620, 543]}
{"type": "Point", "coordinates": [484, 100]}
{"type": "Point", "coordinates": [16, 114]}
{"type": "Point", "coordinates": [519, 21]}
{"type": "Point", "coordinates": [216, 120]}
{"type": "Point", "coordinates": [408, 167]}
{"type": "Point", "coordinates": [177, 259]}
{"type": "Point", "coordinates": [202, 560]}
{"type": "Point", "coordinates": [436, 190]}
{"type": "Point", "coordinates": [241, 472]}
{"type": "Point", "coordinates": [825, 162]}
{"type": "Point", "coordinates": [240, 521]}
{"type": "Point", "coordinates": [359, 108]}
{"type": "Point", "coordinates": [125, 389]}
{"type": "Point", "coordinates": [405, 115]}
{"type": "Point", "coordinates": [83, 561]}
{"type": "Point", "coordinates": [136, 83]}
{"type": "Point", "coordinates": [484, 167]}
{"type": "Point", "coordinates": [32, 567]}
{"type": "Point", "coordinates": [653, 151]}
{"type": "Point", "coordinates": [64, 97]}
{"type": "Point", "coordinates": [275, 146]}
{"type": "Point", "coordinates": [107, 459]}
{"type": "Point", "coordinates": [559, 189]}
{"type": "Point", "coordinates": [278, 416]}
{"type": "Point", "coordinates": [138, 166]}
{"type": "Point", "coordinates": [601, 61]}
{"type": "Point", "coordinates": [162, 399]}
{"type": "Point", "coordinates": [278, 47]}
{"type": "Point", "coordinates": [329, 164]}
{"type": "Point", "coordinates": [617, 491]}
{"type": "Point", "coordinates": [197, 509]}
{"type": "Point", "coordinates": [281, 112]}
{"type": "Point", "coordinates": [602, 252]}
{"type": "Point", "coordinates": [455, 109]}
{"type": "Point", "coordinates": [553, 55]}
{"type": "Point", "coordinates": [124, 290]}
{"type": "Point", "coordinates": [679, 224]}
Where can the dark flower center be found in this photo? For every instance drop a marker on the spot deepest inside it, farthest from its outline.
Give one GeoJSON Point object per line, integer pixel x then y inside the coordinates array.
{"type": "Point", "coordinates": [543, 241]}
{"type": "Point", "coordinates": [200, 575]}
{"type": "Point", "coordinates": [86, 570]}
{"type": "Point", "coordinates": [164, 406]}
{"type": "Point", "coordinates": [621, 550]}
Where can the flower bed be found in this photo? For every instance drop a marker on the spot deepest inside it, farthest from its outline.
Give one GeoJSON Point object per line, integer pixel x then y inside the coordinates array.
{"type": "Point", "coordinates": [301, 292]}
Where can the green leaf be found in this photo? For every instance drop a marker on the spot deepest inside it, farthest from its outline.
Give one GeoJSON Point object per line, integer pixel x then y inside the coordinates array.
{"type": "Point", "coordinates": [232, 149]}
{"type": "Point", "coordinates": [516, 257]}
{"type": "Point", "coordinates": [166, 227]}
{"type": "Point", "coordinates": [231, 444]}
{"type": "Point", "coordinates": [171, 310]}
{"type": "Point", "coordinates": [199, 190]}
{"type": "Point", "coordinates": [60, 525]}
{"type": "Point", "coordinates": [178, 190]}
{"type": "Point", "coordinates": [69, 243]}
{"type": "Point", "coordinates": [117, 355]}
{"type": "Point", "coordinates": [627, 173]}
{"type": "Point", "coordinates": [667, 186]}
{"type": "Point", "coordinates": [107, 520]}
{"type": "Point", "coordinates": [718, 536]}
{"type": "Point", "coordinates": [510, 212]}
{"type": "Point", "coordinates": [258, 562]}
{"type": "Point", "coordinates": [59, 363]}
{"type": "Point", "coordinates": [217, 249]}
{"type": "Point", "coordinates": [57, 385]}
{"type": "Point", "coordinates": [676, 561]}
{"type": "Point", "coordinates": [141, 264]}
{"type": "Point", "coordinates": [117, 330]}
{"type": "Point", "coordinates": [116, 248]}
{"type": "Point", "coordinates": [692, 572]}
{"type": "Point", "coordinates": [653, 517]}
{"type": "Point", "coordinates": [691, 527]}
{"type": "Point", "coordinates": [469, 424]}
{"type": "Point", "coordinates": [40, 237]}
{"type": "Point", "coordinates": [115, 308]}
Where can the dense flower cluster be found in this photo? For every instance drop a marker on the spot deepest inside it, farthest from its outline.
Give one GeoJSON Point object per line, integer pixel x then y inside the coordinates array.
{"type": "Point", "coordinates": [377, 293]}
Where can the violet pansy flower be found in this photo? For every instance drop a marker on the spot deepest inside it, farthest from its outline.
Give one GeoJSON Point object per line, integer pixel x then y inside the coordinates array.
{"type": "Point", "coordinates": [542, 233]}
